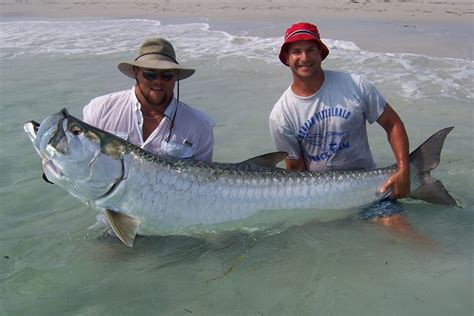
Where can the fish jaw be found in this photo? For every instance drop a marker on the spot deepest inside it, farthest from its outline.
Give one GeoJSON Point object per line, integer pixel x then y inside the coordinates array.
{"type": "Point", "coordinates": [50, 170]}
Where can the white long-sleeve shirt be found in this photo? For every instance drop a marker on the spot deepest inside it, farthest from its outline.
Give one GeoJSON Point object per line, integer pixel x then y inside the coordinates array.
{"type": "Point", "coordinates": [119, 113]}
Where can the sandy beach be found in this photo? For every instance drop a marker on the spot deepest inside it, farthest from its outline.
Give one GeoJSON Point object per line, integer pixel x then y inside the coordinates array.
{"type": "Point", "coordinates": [454, 11]}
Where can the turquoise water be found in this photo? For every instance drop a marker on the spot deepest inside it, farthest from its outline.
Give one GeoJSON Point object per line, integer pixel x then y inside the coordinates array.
{"type": "Point", "coordinates": [51, 263]}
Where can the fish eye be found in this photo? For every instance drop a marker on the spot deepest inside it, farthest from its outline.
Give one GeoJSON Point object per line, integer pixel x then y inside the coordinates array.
{"type": "Point", "coordinates": [76, 130]}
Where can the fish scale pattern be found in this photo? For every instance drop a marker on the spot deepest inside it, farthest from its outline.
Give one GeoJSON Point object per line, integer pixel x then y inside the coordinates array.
{"type": "Point", "coordinates": [178, 194]}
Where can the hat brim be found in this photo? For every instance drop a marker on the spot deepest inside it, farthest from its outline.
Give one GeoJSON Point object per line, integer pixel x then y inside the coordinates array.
{"type": "Point", "coordinates": [303, 37]}
{"type": "Point", "coordinates": [126, 67]}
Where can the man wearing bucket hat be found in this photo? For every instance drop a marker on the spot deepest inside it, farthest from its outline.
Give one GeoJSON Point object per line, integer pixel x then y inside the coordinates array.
{"type": "Point", "coordinates": [320, 120]}
{"type": "Point", "coordinates": [149, 115]}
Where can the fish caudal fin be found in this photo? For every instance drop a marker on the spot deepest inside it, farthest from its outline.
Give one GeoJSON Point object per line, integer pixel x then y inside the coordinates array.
{"type": "Point", "coordinates": [424, 159]}
{"type": "Point", "coordinates": [433, 191]}
{"type": "Point", "coordinates": [124, 226]}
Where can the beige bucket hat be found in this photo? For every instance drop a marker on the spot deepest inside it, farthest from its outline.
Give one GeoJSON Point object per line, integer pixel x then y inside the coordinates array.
{"type": "Point", "coordinates": [155, 53]}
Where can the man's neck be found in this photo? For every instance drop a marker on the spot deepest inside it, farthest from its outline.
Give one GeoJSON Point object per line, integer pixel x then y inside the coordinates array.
{"type": "Point", "coordinates": [151, 109]}
{"type": "Point", "coordinates": [306, 87]}
{"type": "Point", "coordinates": [152, 117]}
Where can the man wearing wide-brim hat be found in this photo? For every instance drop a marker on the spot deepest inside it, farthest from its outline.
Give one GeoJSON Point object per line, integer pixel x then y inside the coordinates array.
{"type": "Point", "coordinates": [150, 115]}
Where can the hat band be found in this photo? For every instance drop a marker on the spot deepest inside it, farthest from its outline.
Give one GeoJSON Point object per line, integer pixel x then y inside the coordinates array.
{"type": "Point", "coordinates": [302, 32]}
{"type": "Point", "coordinates": [158, 54]}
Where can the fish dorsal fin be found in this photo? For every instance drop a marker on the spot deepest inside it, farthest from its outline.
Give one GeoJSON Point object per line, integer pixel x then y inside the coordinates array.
{"type": "Point", "coordinates": [124, 226]}
{"type": "Point", "coordinates": [269, 160]}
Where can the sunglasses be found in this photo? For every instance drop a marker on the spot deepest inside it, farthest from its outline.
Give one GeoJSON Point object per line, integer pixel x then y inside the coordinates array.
{"type": "Point", "coordinates": [151, 75]}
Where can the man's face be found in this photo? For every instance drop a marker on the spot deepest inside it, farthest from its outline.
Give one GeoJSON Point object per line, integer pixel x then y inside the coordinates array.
{"type": "Point", "coordinates": [156, 85]}
{"type": "Point", "coordinates": [304, 58]}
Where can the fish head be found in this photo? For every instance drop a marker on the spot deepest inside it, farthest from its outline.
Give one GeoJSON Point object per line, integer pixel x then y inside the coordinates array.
{"type": "Point", "coordinates": [85, 161]}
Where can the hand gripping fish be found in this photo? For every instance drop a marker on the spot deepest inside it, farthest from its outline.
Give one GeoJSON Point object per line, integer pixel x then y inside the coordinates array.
{"type": "Point", "coordinates": [144, 194]}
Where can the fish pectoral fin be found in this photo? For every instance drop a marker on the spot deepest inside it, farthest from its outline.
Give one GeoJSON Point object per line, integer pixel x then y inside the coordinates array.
{"type": "Point", "coordinates": [124, 226]}
{"type": "Point", "coordinates": [269, 160]}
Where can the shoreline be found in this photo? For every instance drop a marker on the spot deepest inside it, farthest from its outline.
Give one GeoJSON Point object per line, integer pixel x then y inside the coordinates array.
{"type": "Point", "coordinates": [434, 28]}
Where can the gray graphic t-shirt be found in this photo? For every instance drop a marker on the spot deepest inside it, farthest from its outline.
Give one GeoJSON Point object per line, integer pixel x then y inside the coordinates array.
{"type": "Point", "coordinates": [328, 128]}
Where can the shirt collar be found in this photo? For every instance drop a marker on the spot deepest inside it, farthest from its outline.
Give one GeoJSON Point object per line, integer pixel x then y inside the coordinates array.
{"type": "Point", "coordinates": [134, 99]}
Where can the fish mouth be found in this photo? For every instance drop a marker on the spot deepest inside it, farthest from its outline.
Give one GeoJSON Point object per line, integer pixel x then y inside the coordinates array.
{"type": "Point", "coordinates": [34, 125]}
{"type": "Point", "coordinates": [31, 128]}
{"type": "Point", "coordinates": [41, 135]}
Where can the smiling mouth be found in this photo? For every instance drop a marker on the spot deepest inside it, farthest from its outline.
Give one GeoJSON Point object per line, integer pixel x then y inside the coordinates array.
{"type": "Point", "coordinates": [157, 89]}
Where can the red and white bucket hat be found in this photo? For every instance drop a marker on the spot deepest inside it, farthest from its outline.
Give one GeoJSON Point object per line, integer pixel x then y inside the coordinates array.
{"type": "Point", "coordinates": [302, 31]}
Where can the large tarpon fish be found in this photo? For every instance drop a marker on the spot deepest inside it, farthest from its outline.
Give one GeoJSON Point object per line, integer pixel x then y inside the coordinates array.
{"type": "Point", "coordinates": [144, 194]}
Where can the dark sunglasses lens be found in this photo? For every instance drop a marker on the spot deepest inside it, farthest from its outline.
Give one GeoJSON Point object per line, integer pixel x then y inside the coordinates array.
{"type": "Point", "coordinates": [167, 76]}
{"type": "Point", "coordinates": [150, 75]}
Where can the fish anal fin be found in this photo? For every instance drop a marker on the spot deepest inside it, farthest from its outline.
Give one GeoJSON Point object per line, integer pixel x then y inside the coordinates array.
{"type": "Point", "coordinates": [124, 226]}
{"type": "Point", "coordinates": [269, 160]}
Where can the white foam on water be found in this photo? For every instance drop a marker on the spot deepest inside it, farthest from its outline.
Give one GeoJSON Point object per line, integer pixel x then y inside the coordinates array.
{"type": "Point", "coordinates": [416, 76]}
{"type": "Point", "coordinates": [192, 40]}
{"type": "Point", "coordinates": [72, 37]}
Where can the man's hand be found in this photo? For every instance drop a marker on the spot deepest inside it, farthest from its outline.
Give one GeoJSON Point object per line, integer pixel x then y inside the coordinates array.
{"type": "Point", "coordinates": [295, 164]}
{"type": "Point", "coordinates": [399, 182]}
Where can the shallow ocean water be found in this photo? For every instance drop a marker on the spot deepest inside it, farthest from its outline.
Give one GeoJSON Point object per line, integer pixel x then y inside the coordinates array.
{"type": "Point", "coordinates": [50, 263]}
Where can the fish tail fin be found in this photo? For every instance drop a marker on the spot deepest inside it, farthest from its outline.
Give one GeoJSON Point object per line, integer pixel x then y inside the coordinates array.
{"type": "Point", "coordinates": [424, 159]}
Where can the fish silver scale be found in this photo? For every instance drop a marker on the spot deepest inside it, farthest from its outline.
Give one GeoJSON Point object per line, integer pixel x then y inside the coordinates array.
{"type": "Point", "coordinates": [177, 194]}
